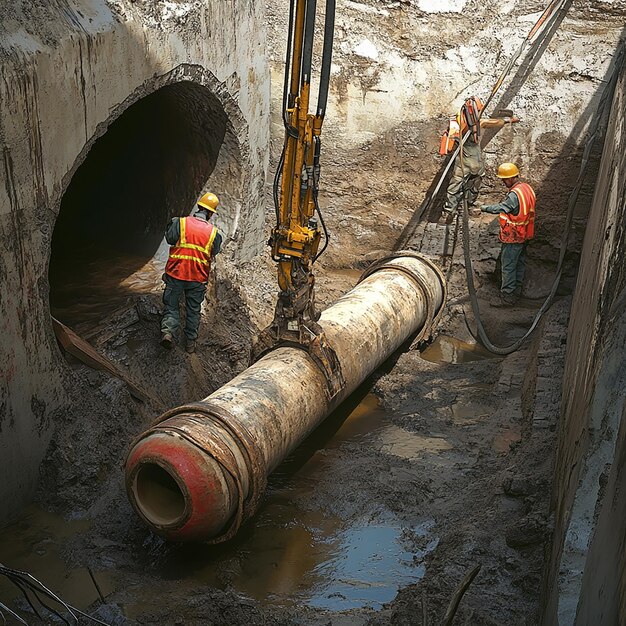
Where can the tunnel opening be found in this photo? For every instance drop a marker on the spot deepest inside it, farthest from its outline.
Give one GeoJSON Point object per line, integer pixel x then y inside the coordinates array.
{"type": "Point", "coordinates": [152, 163]}
{"type": "Point", "coordinates": [158, 495]}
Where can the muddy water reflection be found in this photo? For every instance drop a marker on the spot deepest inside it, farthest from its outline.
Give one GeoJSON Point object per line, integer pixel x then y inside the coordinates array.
{"type": "Point", "coordinates": [290, 555]}
{"type": "Point", "coordinates": [445, 349]}
{"type": "Point", "coordinates": [34, 545]}
{"type": "Point", "coordinates": [99, 282]}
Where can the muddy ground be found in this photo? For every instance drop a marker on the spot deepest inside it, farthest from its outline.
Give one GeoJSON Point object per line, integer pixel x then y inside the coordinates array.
{"type": "Point", "coordinates": [439, 463]}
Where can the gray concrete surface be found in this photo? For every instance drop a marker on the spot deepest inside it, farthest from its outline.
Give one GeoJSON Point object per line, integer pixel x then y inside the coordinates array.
{"type": "Point", "coordinates": [584, 579]}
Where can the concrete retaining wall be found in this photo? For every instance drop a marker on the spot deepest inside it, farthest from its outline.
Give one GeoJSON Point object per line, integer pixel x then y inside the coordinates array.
{"type": "Point", "coordinates": [69, 69]}
{"type": "Point", "coordinates": [585, 579]}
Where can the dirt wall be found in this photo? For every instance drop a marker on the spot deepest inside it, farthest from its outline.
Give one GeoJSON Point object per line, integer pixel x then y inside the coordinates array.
{"type": "Point", "coordinates": [71, 68]}
{"type": "Point", "coordinates": [585, 582]}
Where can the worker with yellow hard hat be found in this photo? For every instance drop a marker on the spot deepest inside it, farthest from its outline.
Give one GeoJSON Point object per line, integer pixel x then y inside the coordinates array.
{"type": "Point", "coordinates": [194, 242]}
{"type": "Point", "coordinates": [517, 227]}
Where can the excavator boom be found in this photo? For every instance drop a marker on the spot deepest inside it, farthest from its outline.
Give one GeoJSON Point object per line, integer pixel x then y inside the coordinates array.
{"type": "Point", "coordinates": [296, 238]}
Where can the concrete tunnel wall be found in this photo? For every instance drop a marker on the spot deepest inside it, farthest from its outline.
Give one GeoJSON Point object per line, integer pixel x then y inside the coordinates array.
{"type": "Point", "coordinates": [70, 69]}
{"type": "Point", "coordinates": [585, 580]}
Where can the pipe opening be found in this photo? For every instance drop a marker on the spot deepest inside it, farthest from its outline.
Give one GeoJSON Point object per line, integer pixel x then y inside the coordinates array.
{"type": "Point", "coordinates": [151, 165]}
{"type": "Point", "coordinates": [158, 496]}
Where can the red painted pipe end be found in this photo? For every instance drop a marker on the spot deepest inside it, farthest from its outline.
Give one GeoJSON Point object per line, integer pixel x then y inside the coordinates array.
{"type": "Point", "coordinates": [179, 490]}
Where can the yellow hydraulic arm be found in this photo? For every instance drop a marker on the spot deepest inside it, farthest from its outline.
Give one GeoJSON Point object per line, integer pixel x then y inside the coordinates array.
{"type": "Point", "coordinates": [296, 238]}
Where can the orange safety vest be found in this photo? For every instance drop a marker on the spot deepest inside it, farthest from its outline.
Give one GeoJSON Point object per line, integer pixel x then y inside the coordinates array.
{"type": "Point", "coordinates": [521, 227]}
{"type": "Point", "coordinates": [190, 258]}
{"type": "Point", "coordinates": [467, 118]}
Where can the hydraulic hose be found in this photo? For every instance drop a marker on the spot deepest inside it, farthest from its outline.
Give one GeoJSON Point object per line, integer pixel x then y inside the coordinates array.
{"type": "Point", "coordinates": [309, 33]}
{"type": "Point", "coordinates": [286, 94]}
{"type": "Point", "coordinates": [327, 56]}
{"type": "Point", "coordinates": [607, 95]}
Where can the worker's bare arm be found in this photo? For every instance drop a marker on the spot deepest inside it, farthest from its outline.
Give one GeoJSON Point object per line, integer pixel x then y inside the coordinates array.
{"type": "Point", "coordinates": [497, 122]}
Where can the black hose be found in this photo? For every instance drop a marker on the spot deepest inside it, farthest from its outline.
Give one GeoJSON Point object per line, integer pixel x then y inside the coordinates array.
{"type": "Point", "coordinates": [276, 186]}
{"type": "Point", "coordinates": [307, 48]}
{"type": "Point", "coordinates": [288, 64]}
{"type": "Point", "coordinates": [573, 198]}
{"type": "Point", "coordinates": [326, 234]}
{"type": "Point", "coordinates": [327, 56]}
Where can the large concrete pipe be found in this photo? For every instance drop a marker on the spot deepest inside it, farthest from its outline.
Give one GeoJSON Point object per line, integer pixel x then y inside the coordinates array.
{"type": "Point", "coordinates": [201, 470]}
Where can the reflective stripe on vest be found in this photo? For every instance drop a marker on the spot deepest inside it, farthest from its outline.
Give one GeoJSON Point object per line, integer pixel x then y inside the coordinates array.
{"type": "Point", "coordinates": [521, 227]}
{"type": "Point", "coordinates": [190, 258]}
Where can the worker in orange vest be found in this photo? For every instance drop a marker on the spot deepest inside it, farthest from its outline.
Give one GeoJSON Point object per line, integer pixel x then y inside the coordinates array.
{"type": "Point", "coordinates": [517, 228]}
{"type": "Point", "coordinates": [468, 174]}
{"type": "Point", "coordinates": [194, 242]}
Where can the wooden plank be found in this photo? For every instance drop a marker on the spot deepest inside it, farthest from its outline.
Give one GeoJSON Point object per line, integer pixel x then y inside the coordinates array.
{"type": "Point", "coordinates": [85, 353]}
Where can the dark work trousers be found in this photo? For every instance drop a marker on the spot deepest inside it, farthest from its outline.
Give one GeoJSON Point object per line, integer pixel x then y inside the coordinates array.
{"type": "Point", "coordinates": [194, 295]}
{"type": "Point", "coordinates": [513, 260]}
{"type": "Point", "coordinates": [474, 171]}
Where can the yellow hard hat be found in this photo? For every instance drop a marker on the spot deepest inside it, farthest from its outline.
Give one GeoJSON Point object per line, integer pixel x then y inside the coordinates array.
{"type": "Point", "coordinates": [508, 170]}
{"type": "Point", "coordinates": [209, 201]}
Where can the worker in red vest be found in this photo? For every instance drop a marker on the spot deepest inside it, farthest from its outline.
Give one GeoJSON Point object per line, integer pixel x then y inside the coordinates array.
{"type": "Point", "coordinates": [194, 242]}
{"type": "Point", "coordinates": [517, 228]}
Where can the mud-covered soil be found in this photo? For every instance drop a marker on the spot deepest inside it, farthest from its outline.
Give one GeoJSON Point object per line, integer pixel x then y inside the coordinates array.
{"type": "Point", "coordinates": [459, 455]}
{"type": "Point", "coordinates": [473, 440]}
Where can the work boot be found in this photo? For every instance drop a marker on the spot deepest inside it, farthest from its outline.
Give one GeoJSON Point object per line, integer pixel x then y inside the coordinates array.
{"type": "Point", "coordinates": [446, 218]}
{"type": "Point", "coordinates": [167, 340]}
{"type": "Point", "coordinates": [190, 345]}
{"type": "Point", "coordinates": [503, 300]}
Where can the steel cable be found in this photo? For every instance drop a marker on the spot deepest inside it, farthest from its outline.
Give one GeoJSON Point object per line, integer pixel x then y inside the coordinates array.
{"type": "Point", "coordinates": [548, 13]}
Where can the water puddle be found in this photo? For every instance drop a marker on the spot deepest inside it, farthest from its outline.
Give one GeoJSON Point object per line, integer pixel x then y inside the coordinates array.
{"type": "Point", "coordinates": [408, 445]}
{"type": "Point", "coordinates": [469, 412]}
{"type": "Point", "coordinates": [34, 544]}
{"type": "Point", "coordinates": [291, 554]}
{"type": "Point", "coordinates": [292, 557]}
{"type": "Point", "coordinates": [368, 566]}
{"type": "Point", "coordinates": [445, 349]}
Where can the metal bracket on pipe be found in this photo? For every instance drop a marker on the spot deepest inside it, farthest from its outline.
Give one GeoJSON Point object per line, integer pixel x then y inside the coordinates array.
{"type": "Point", "coordinates": [311, 338]}
{"type": "Point", "coordinates": [432, 316]}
